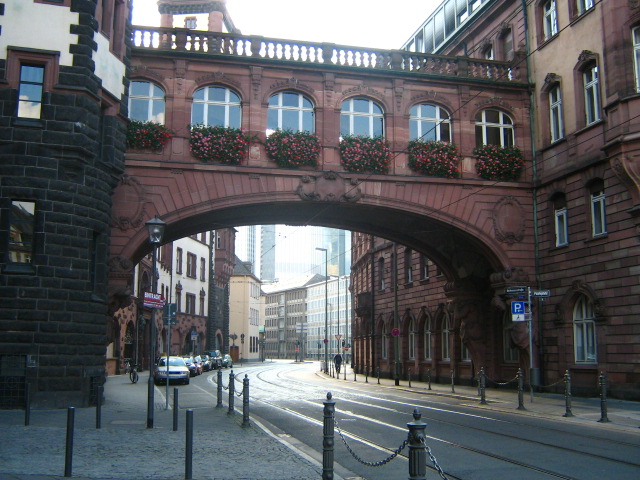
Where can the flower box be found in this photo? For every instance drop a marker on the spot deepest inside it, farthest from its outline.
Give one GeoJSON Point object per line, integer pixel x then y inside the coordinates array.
{"type": "Point", "coordinates": [218, 144]}
{"type": "Point", "coordinates": [365, 154]}
{"type": "Point", "coordinates": [499, 163]}
{"type": "Point", "coordinates": [147, 135]}
{"type": "Point", "coordinates": [293, 149]}
{"type": "Point", "coordinates": [434, 158]}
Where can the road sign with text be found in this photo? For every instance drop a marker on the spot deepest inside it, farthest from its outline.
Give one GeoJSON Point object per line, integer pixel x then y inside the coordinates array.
{"type": "Point", "coordinates": [518, 311]}
{"type": "Point", "coordinates": [153, 300]}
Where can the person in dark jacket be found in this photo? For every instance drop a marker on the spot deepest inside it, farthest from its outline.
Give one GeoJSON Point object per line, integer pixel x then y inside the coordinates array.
{"type": "Point", "coordinates": [337, 360]}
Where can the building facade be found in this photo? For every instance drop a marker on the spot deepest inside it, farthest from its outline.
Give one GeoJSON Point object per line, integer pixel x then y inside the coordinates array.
{"type": "Point", "coordinates": [246, 313]}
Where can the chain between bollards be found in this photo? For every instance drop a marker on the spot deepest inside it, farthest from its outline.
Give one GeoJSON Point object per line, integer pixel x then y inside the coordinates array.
{"type": "Point", "coordinates": [245, 401]}
{"type": "Point", "coordinates": [602, 381]}
{"type": "Point", "coordinates": [327, 438]}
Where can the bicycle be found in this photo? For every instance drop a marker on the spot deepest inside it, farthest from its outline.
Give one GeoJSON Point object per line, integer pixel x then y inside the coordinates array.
{"type": "Point", "coordinates": [131, 370]}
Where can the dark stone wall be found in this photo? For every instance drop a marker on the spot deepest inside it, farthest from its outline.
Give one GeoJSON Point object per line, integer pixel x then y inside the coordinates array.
{"type": "Point", "coordinates": [54, 311]}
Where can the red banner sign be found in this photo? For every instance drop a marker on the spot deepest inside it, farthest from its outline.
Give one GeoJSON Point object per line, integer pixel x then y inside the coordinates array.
{"type": "Point", "coordinates": [153, 300]}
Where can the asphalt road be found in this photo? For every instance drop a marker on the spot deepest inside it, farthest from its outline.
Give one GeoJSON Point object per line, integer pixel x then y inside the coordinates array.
{"type": "Point", "coordinates": [467, 441]}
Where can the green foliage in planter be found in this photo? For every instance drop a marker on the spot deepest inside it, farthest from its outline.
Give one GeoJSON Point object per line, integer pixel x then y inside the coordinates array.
{"type": "Point", "coordinates": [293, 149]}
{"type": "Point", "coordinates": [147, 135]}
{"type": "Point", "coordinates": [218, 144]}
{"type": "Point", "coordinates": [434, 158]}
{"type": "Point", "coordinates": [365, 154]}
{"type": "Point", "coordinates": [499, 163]}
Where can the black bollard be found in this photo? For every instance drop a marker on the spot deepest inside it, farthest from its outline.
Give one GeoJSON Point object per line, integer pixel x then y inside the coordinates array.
{"type": "Point", "coordinates": [219, 404]}
{"type": "Point", "coordinates": [328, 440]}
{"type": "Point", "coordinates": [188, 451]}
{"type": "Point", "coordinates": [483, 400]}
{"type": "Point", "coordinates": [409, 375]}
{"type": "Point", "coordinates": [452, 381]}
{"type": "Point", "coordinates": [567, 395]}
{"type": "Point", "coordinates": [27, 404]}
{"type": "Point", "coordinates": [417, 451]}
{"type": "Point", "coordinates": [100, 394]}
{"type": "Point", "coordinates": [175, 409]}
{"type": "Point", "coordinates": [429, 379]}
{"type": "Point", "coordinates": [245, 401]}
{"type": "Point", "coordinates": [520, 390]}
{"type": "Point", "coordinates": [68, 454]}
{"type": "Point", "coordinates": [232, 392]}
{"type": "Point", "coordinates": [604, 418]}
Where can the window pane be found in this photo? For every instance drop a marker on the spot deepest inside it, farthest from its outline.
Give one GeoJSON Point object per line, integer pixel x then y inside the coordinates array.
{"type": "Point", "coordinates": [215, 115]}
{"type": "Point", "coordinates": [199, 94]}
{"type": "Point", "coordinates": [307, 122]}
{"type": "Point", "coordinates": [445, 133]}
{"type": "Point", "coordinates": [31, 74]}
{"type": "Point", "coordinates": [139, 88]}
{"type": "Point", "coordinates": [344, 125]}
{"type": "Point", "coordinates": [493, 136]}
{"type": "Point", "coordinates": [138, 110]}
{"type": "Point", "coordinates": [290, 120]}
{"type": "Point", "coordinates": [31, 92]}
{"type": "Point", "coordinates": [158, 111]}
{"type": "Point", "coordinates": [377, 127]}
{"type": "Point", "coordinates": [21, 231]}
{"type": "Point", "coordinates": [360, 105]}
{"type": "Point", "coordinates": [361, 126]}
{"type": "Point", "coordinates": [272, 119]}
{"type": "Point", "coordinates": [290, 99]}
{"type": "Point", "coordinates": [492, 116]}
{"type": "Point", "coordinates": [234, 116]}
{"type": "Point", "coordinates": [197, 114]}
{"type": "Point", "coordinates": [217, 94]}
{"type": "Point", "coordinates": [429, 130]}
{"type": "Point", "coordinates": [413, 130]}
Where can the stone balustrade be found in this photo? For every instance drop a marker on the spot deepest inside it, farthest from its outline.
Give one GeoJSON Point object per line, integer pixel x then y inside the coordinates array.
{"type": "Point", "coordinates": [319, 54]}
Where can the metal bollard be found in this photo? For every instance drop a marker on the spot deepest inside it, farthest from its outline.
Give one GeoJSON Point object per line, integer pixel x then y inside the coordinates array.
{"type": "Point", "coordinates": [232, 391]}
{"type": "Point", "coordinates": [327, 439]}
{"type": "Point", "coordinates": [417, 451]}
{"type": "Point", "coordinates": [175, 409]}
{"type": "Point", "coordinates": [429, 379]}
{"type": "Point", "coordinates": [452, 381]}
{"type": "Point", "coordinates": [27, 404]}
{"type": "Point", "coordinates": [366, 374]}
{"type": "Point", "coordinates": [68, 454]}
{"type": "Point", "coordinates": [409, 374]}
{"type": "Point", "coordinates": [188, 451]}
{"type": "Point", "coordinates": [245, 401]}
{"type": "Point", "coordinates": [100, 394]}
{"type": "Point", "coordinates": [219, 404]}
{"type": "Point", "coordinates": [378, 375]}
{"type": "Point", "coordinates": [520, 390]}
{"type": "Point", "coordinates": [567, 394]}
{"type": "Point", "coordinates": [603, 398]}
{"type": "Point", "coordinates": [355, 375]}
{"type": "Point", "coordinates": [483, 400]}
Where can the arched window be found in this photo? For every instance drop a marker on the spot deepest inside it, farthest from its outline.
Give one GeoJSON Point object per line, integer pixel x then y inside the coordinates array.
{"type": "Point", "coordinates": [584, 331]}
{"type": "Point", "coordinates": [383, 342]}
{"type": "Point", "coordinates": [412, 340]}
{"type": "Point", "coordinates": [361, 116]}
{"type": "Point", "coordinates": [591, 82]}
{"type": "Point", "coordinates": [445, 334]}
{"type": "Point", "coordinates": [556, 122]}
{"type": "Point", "coordinates": [427, 338]}
{"type": "Point", "coordinates": [494, 127]}
{"type": "Point", "coordinates": [146, 102]}
{"type": "Point", "coordinates": [598, 208]}
{"type": "Point", "coordinates": [216, 106]}
{"type": "Point", "coordinates": [290, 111]}
{"type": "Point", "coordinates": [429, 122]}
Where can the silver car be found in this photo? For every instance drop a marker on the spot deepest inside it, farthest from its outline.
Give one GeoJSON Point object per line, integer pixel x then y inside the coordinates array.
{"type": "Point", "coordinates": [177, 371]}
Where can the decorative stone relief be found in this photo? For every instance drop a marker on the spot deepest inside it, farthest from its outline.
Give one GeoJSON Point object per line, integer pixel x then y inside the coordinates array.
{"type": "Point", "coordinates": [217, 77]}
{"type": "Point", "coordinates": [130, 213]}
{"type": "Point", "coordinates": [291, 83]}
{"type": "Point", "coordinates": [509, 220]}
{"type": "Point", "coordinates": [328, 187]}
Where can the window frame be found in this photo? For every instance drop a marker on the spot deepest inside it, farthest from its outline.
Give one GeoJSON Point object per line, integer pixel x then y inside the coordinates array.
{"type": "Point", "coordinates": [178, 261]}
{"type": "Point", "coordinates": [441, 119]}
{"type": "Point", "coordinates": [151, 99]}
{"type": "Point", "coordinates": [585, 341]}
{"type": "Point", "coordinates": [598, 211]}
{"type": "Point", "coordinates": [549, 19]}
{"type": "Point", "coordinates": [427, 334]}
{"type": "Point", "coordinates": [635, 41]}
{"type": "Point", "coordinates": [192, 265]}
{"type": "Point", "coordinates": [11, 222]}
{"type": "Point", "coordinates": [300, 109]}
{"type": "Point", "coordinates": [445, 338]}
{"type": "Point", "coordinates": [561, 220]}
{"type": "Point", "coordinates": [352, 114]}
{"type": "Point", "coordinates": [502, 128]}
{"type": "Point", "coordinates": [591, 90]}
{"type": "Point", "coordinates": [411, 337]}
{"type": "Point", "coordinates": [228, 104]}
{"type": "Point", "coordinates": [556, 118]}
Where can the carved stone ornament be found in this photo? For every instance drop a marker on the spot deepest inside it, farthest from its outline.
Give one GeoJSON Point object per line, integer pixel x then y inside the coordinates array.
{"type": "Point", "coordinates": [328, 187]}
{"type": "Point", "coordinates": [129, 214]}
{"type": "Point", "coordinates": [564, 308]}
{"type": "Point", "coordinates": [120, 267]}
{"type": "Point", "coordinates": [509, 220]}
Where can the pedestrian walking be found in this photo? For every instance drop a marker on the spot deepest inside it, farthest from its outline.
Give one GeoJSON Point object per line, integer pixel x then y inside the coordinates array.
{"type": "Point", "coordinates": [337, 360]}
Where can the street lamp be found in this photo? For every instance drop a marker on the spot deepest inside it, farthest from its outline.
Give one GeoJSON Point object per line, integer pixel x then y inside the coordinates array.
{"type": "Point", "coordinates": [326, 297]}
{"type": "Point", "coordinates": [155, 228]}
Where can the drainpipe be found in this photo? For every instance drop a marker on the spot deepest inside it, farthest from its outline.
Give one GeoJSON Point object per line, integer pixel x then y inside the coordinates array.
{"type": "Point", "coordinates": [373, 305]}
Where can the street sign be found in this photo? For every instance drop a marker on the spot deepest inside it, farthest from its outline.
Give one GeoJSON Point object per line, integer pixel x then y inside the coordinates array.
{"type": "Point", "coordinates": [515, 289]}
{"type": "Point", "coordinates": [153, 300]}
{"type": "Point", "coordinates": [338, 337]}
{"type": "Point", "coordinates": [541, 293]}
{"type": "Point", "coordinates": [169, 314]}
{"type": "Point", "coordinates": [518, 311]}
{"type": "Point", "coordinates": [326, 340]}
{"type": "Point", "coordinates": [395, 332]}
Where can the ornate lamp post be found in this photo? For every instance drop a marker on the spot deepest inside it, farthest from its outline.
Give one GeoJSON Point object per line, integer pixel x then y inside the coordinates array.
{"type": "Point", "coordinates": [326, 303]}
{"type": "Point", "coordinates": [155, 227]}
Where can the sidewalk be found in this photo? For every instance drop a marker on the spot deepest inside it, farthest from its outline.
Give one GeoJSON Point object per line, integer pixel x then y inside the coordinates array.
{"type": "Point", "coordinates": [124, 449]}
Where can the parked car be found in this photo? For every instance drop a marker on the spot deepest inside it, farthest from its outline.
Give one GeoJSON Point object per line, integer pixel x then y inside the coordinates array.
{"type": "Point", "coordinates": [192, 366]}
{"type": "Point", "coordinates": [227, 361]}
{"type": "Point", "coordinates": [216, 358]}
{"type": "Point", "coordinates": [207, 364]}
{"type": "Point", "coordinates": [175, 371]}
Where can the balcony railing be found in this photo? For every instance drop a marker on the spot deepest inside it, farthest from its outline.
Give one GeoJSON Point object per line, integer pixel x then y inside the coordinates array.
{"type": "Point", "coordinates": [319, 54]}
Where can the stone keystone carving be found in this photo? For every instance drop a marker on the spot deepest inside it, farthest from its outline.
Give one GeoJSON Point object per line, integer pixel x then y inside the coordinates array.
{"type": "Point", "coordinates": [329, 187]}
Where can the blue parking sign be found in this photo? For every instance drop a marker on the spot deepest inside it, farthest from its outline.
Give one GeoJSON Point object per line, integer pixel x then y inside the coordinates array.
{"type": "Point", "coordinates": [518, 308]}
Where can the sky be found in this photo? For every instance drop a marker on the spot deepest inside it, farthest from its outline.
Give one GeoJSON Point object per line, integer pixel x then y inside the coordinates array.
{"type": "Point", "coordinates": [364, 23]}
